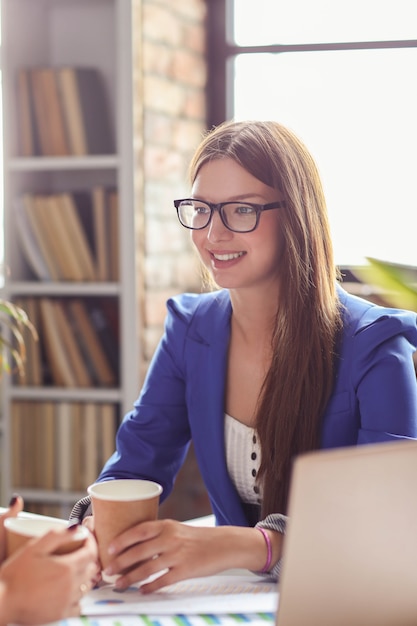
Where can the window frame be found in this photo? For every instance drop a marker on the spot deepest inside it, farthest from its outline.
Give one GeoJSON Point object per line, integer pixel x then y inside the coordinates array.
{"type": "Point", "coordinates": [221, 50]}
{"type": "Point", "coordinates": [220, 53]}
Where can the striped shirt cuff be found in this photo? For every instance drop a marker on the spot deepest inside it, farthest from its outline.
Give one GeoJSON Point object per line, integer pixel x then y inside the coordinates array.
{"type": "Point", "coordinates": [276, 522]}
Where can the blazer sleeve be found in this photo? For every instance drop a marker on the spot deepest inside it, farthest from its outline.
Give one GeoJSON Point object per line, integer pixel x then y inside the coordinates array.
{"type": "Point", "coordinates": [153, 439]}
{"type": "Point", "coordinates": [385, 379]}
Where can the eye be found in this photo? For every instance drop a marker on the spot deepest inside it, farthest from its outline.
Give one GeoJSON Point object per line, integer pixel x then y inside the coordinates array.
{"type": "Point", "coordinates": [245, 209]}
{"type": "Point", "coordinates": [201, 209]}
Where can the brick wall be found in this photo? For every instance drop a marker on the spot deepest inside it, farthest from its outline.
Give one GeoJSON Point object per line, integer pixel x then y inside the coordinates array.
{"type": "Point", "coordinates": [169, 95]}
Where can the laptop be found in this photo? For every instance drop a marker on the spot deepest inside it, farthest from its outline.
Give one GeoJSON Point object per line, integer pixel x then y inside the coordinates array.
{"type": "Point", "coordinates": [350, 553]}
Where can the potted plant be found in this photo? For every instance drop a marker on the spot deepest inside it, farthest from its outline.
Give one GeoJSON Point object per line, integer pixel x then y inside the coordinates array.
{"type": "Point", "coordinates": [13, 321]}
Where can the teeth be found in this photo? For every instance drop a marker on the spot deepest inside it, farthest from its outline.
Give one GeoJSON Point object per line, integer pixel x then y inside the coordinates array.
{"type": "Point", "coordinates": [227, 257]}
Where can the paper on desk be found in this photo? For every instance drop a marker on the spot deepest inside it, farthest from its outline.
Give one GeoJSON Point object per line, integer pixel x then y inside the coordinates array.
{"type": "Point", "coordinates": [212, 594]}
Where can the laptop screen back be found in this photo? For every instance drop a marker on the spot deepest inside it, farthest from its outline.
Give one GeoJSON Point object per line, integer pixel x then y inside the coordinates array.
{"type": "Point", "coordinates": [350, 554]}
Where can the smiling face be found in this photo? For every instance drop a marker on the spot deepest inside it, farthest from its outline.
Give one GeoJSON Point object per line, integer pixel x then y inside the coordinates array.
{"type": "Point", "coordinates": [238, 260]}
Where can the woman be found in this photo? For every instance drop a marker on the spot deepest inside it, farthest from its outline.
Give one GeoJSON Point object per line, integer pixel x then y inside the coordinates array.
{"type": "Point", "coordinates": [279, 360]}
{"type": "Point", "coordinates": [37, 586]}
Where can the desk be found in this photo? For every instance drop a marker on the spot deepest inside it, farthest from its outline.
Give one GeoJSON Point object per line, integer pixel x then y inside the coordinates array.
{"type": "Point", "coordinates": [232, 598]}
{"type": "Point", "coordinates": [229, 599]}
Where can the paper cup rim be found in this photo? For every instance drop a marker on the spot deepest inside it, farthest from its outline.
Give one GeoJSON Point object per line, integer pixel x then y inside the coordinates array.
{"type": "Point", "coordinates": [31, 527]}
{"type": "Point", "coordinates": [94, 490]}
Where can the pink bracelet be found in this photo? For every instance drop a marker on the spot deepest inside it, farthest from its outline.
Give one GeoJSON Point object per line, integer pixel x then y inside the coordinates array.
{"type": "Point", "coordinates": [267, 565]}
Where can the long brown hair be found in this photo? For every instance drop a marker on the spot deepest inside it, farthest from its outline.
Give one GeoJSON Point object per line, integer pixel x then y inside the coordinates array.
{"type": "Point", "coordinates": [299, 382]}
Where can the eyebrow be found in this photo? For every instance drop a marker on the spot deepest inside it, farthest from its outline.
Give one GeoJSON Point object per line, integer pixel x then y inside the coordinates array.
{"type": "Point", "coordinates": [249, 197]}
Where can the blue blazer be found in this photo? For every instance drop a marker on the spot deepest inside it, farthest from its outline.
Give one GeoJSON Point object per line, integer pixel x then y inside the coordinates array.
{"type": "Point", "coordinates": [374, 397]}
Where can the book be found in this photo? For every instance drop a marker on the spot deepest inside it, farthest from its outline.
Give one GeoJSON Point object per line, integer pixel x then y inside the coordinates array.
{"type": "Point", "coordinates": [89, 341]}
{"type": "Point", "coordinates": [40, 108]}
{"type": "Point", "coordinates": [77, 447]}
{"type": "Point", "coordinates": [59, 367]}
{"type": "Point", "coordinates": [91, 429]}
{"type": "Point", "coordinates": [48, 458]}
{"type": "Point", "coordinates": [62, 243]}
{"type": "Point", "coordinates": [63, 446]}
{"type": "Point", "coordinates": [48, 112]}
{"type": "Point", "coordinates": [70, 236]}
{"type": "Point", "coordinates": [110, 312]}
{"type": "Point", "coordinates": [83, 202]}
{"type": "Point", "coordinates": [28, 136]}
{"type": "Point", "coordinates": [85, 107]}
{"type": "Point", "coordinates": [113, 221]}
{"type": "Point", "coordinates": [98, 212]}
{"type": "Point", "coordinates": [56, 125]}
{"type": "Point", "coordinates": [45, 209]}
{"type": "Point", "coordinates": [100, 229]}
{"type": "Point", "coordinates": [33, 367]}
{"type": "Point", "coordinates": [63, 111]}
{"type": "Point", "coordinates": [33, 419]}
{"type": "Point", "coordinates": [33, 345]}
{"type": "Point", "coordinates": [70, 345]}
{"type": "Point", "coordinates": [17, 450]}
{"type": "Point", "coordinates": [77, 236]}
{"type": "Point", "coordinates": [24, 437]}
{"type": "Point", "coordinates": [108, 427]}
{"type": "Point", "coordinates": [104, 316]}
{"type": "Point", "coordinates": [31, 246]}
{"type": "Point", "coordinates": [29, 209]}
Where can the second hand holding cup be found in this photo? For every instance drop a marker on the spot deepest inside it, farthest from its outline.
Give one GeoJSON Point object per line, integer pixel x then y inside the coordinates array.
{"type": "Point", "coordinates": [117, 506]}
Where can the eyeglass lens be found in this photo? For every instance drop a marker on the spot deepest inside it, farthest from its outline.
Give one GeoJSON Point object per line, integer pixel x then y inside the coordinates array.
{"type": "Point", "coordinates": [236, 216]}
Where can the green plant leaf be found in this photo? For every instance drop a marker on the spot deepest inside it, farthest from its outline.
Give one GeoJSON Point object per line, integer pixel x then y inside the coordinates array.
{"type": "Point", "coordinates": [13, 320]}
{"type": "Point", "coordinates": [394, 281]}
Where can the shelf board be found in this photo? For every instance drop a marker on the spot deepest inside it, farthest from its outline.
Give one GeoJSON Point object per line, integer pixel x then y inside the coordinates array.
{"type": "Point", "coordinates": [62, 288]}
{"type": "Point", "coordinates": [66, 394]}
{"type": "Point", "coordinates": [46, 164]}
{"type": "Point", "coordinates": [51, 496]}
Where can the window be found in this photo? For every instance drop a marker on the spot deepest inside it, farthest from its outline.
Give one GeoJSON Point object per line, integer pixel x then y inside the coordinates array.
{"type": "Point", "coordinates": [342, 76]}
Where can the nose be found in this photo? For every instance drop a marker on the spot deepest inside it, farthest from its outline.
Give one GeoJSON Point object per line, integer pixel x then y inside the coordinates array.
{"type": "Point", "coordinates": [216, 230]}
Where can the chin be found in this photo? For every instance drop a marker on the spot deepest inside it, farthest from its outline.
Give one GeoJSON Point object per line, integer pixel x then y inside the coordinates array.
{"type": "Point", "coordinates": [224, 283]}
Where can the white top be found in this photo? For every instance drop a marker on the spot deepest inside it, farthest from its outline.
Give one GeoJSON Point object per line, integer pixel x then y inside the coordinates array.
{"type": "Point", "coordinates": [243, 457]}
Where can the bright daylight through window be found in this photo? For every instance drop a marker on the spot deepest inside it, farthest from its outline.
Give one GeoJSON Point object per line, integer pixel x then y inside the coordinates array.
{"type": "Point", "coordinates": [355, 109]}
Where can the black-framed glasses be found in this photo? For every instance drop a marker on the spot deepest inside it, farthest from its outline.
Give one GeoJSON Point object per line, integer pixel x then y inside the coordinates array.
{"type": "Point", "coordinates": [240, 217]}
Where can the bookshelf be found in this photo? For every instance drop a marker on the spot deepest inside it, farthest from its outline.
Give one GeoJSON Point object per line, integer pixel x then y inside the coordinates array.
{"type": "Point", "coordinates": [44, 416]}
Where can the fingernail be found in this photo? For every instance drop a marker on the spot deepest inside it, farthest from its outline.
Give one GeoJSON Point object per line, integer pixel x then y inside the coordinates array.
{"type": "Point", "coordinates": [73, 524]}
{"type": "Point", "coordinates": [13, 499]}
{"type": "Point", "coordinates": [108, 571]}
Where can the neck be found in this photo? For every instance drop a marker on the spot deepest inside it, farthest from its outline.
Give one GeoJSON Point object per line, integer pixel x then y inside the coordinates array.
{"type": "Point", "coordinates": [254, 313]}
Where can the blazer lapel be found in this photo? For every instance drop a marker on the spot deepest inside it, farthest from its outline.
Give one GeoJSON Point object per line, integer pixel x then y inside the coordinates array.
{"type": "Point", "coordinates": [207, 344]}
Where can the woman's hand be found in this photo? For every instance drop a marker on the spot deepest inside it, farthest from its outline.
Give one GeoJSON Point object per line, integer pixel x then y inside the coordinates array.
{"type": "Point", "coordinates": [15, 507]}
{"type": "Point", "coordinates": [37, 586]}
{"type": "Point", "coordinates": [181, 551]}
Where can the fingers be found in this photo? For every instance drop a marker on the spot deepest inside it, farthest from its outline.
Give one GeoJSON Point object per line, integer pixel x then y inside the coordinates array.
{"type": "Point", "coordinates": [167, 577]}
{"type": "Point", "coordinates": [89, 522]}
{"type": "Point", "coordinates": [143, 532]}
{"type": "Point", "coordinates": [85, 562]}
{"type": "Point", "coordinates": [145, 574]}
{"type": "Point", "coordinates": [51, 541]}
{"type": "Point", "coordinates": [139, 561]}
{"type": "Point", "coordinates": [160, 553]}
{"type": "Point", "coordinates": [150, 558]}
{"type": "Point", "coordinates": [15, 507]}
